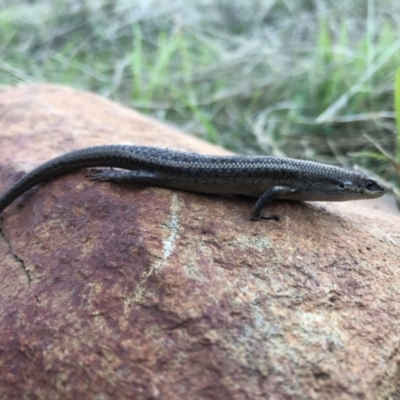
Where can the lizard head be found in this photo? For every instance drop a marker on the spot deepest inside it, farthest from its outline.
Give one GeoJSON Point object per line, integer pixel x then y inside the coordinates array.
{"type": "Point", "coordinates": [360, 187]}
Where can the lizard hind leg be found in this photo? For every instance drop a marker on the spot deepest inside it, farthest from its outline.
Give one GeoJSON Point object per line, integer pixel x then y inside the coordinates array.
{"type": "Point", "coordinates": [275, 192]}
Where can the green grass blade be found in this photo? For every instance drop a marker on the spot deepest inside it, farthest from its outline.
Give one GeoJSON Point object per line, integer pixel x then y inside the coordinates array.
{"type": "Point", "coordinates": [137, 62]}
{"type": "Point", "coordinates": [166, 46]}
{"type": "Point", "coordinates": [397, 111]}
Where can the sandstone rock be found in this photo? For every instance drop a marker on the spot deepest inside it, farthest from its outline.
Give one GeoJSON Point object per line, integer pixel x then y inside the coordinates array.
{"type": "Point", "coordinates": [135, 292]}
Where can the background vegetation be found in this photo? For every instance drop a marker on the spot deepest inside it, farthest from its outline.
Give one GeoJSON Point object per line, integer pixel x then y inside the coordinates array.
{"type": "Point", "coordinates": [308, 79]}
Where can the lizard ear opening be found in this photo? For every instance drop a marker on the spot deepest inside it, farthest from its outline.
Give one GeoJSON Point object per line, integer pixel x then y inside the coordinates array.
{"type": "Point", "coordinates": [345, 184]}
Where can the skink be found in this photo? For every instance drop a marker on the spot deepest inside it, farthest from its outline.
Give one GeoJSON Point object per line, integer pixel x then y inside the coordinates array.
{"type": "Point", "coordinates": [264, 177]}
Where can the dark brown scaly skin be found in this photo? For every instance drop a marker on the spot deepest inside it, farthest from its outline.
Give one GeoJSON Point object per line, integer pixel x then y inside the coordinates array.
{"type": "Point", "coordinates": [264, 177]}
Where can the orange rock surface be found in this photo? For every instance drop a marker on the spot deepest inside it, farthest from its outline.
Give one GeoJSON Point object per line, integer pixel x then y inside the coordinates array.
{"type": "Point", "coordinates": [133, 292]}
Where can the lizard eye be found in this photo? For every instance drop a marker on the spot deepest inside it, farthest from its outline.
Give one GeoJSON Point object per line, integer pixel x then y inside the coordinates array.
{"type": "Point", "coordinates": [370, 184]}
{"type": "Point", "coordinates": [374, 187]}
